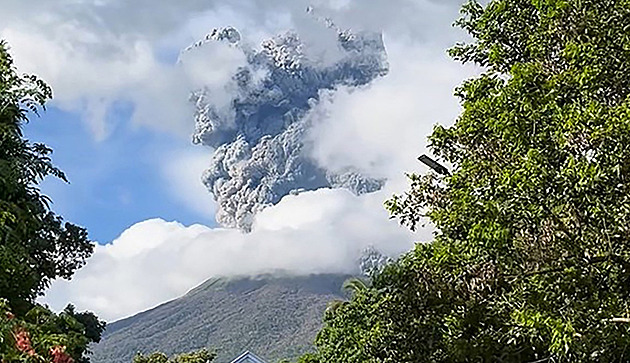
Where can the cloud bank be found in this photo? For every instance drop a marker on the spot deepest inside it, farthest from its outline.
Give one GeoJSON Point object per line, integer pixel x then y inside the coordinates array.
{"type": "Point", "coordinates": [155, 260]}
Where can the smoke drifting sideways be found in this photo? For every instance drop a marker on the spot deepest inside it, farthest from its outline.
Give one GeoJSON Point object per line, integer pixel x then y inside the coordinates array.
{"type": "Point", "coordinates": [258, 123]}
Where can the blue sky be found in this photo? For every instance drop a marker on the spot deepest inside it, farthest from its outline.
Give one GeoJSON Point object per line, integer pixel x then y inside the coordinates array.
{"type": "Point", "coordinates": [116, 182]}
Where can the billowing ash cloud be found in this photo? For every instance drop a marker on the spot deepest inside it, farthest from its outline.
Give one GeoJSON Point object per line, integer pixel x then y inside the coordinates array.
{"type": "Point", "coordinates": [259, 132]}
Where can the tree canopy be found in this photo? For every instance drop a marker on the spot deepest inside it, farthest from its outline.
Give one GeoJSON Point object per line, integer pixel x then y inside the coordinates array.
{"type": "Point", "coordinates": [36, 246]}
{"type": "Point", "coordinates": [531, 255]}
{"type": "Point", "coordinates": [43, 336]}
{"type": "Point", "coordinates": [199, 356]}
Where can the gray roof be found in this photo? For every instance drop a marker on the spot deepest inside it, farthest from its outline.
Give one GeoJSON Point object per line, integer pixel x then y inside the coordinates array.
{"type": "Point", "coordinates": [248, 357]}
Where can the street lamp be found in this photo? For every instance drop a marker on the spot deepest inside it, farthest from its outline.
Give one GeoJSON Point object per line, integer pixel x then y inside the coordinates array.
{"type": "Point", "coordinates": [439, 168]}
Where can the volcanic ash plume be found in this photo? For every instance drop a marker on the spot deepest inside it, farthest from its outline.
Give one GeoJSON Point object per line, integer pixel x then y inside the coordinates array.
{"type": "Point", "coordinates": [259, 133]}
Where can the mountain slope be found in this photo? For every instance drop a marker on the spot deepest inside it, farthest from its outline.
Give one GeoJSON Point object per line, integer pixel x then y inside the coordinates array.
{"type": "Point", "coordinates": [276, 317]}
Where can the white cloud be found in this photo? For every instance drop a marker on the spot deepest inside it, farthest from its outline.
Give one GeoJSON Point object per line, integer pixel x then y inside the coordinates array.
{"type": "Point", "coordinates": [94, 53]}
{"type": "Point", "coordinates": [382, 128]}
{"type": "Point", "coordinates": [93, 59]}
{"type": "Point", "coordinates": [153, 261]}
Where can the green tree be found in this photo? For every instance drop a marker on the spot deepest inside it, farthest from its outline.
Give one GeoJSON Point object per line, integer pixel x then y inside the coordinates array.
{"type": "Point", "coordinates": [36, 246]}
{"type": "Point", "coordinates": [531, 256]}
{"type": "Point", "coordinates": [351, 287]}
{"type": "Point", "coordinates": [43, 336]}
{"type": "Point", "coordinates": [199, 356]}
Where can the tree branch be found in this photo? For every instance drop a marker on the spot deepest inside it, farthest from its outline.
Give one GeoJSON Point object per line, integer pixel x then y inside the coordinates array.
{"type": "Point", "coordinates": [620, 320]}
{"type": "Point", "coordinates": [592, 261]}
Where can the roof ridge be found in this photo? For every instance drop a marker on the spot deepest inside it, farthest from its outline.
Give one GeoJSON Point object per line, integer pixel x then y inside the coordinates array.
{"type": "Point", "coordinates": [250, 355]}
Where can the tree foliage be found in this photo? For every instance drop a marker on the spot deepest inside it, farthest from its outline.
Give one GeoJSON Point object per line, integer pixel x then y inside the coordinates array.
{"type": "Point", "coordinates": [199, 356]}
{"type": "Point", "coordinates": [36, 246]}
{"type": "Point", "coordinates": [351, 287]}
{"type": "Point", "coordinates": [531, 254]}
{"type": "Point", "coordinates": [43, 336]}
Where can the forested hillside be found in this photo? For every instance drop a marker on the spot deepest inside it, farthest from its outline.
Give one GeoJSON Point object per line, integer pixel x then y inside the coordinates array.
{"type": "Point", "coordinates": [275, 317]}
